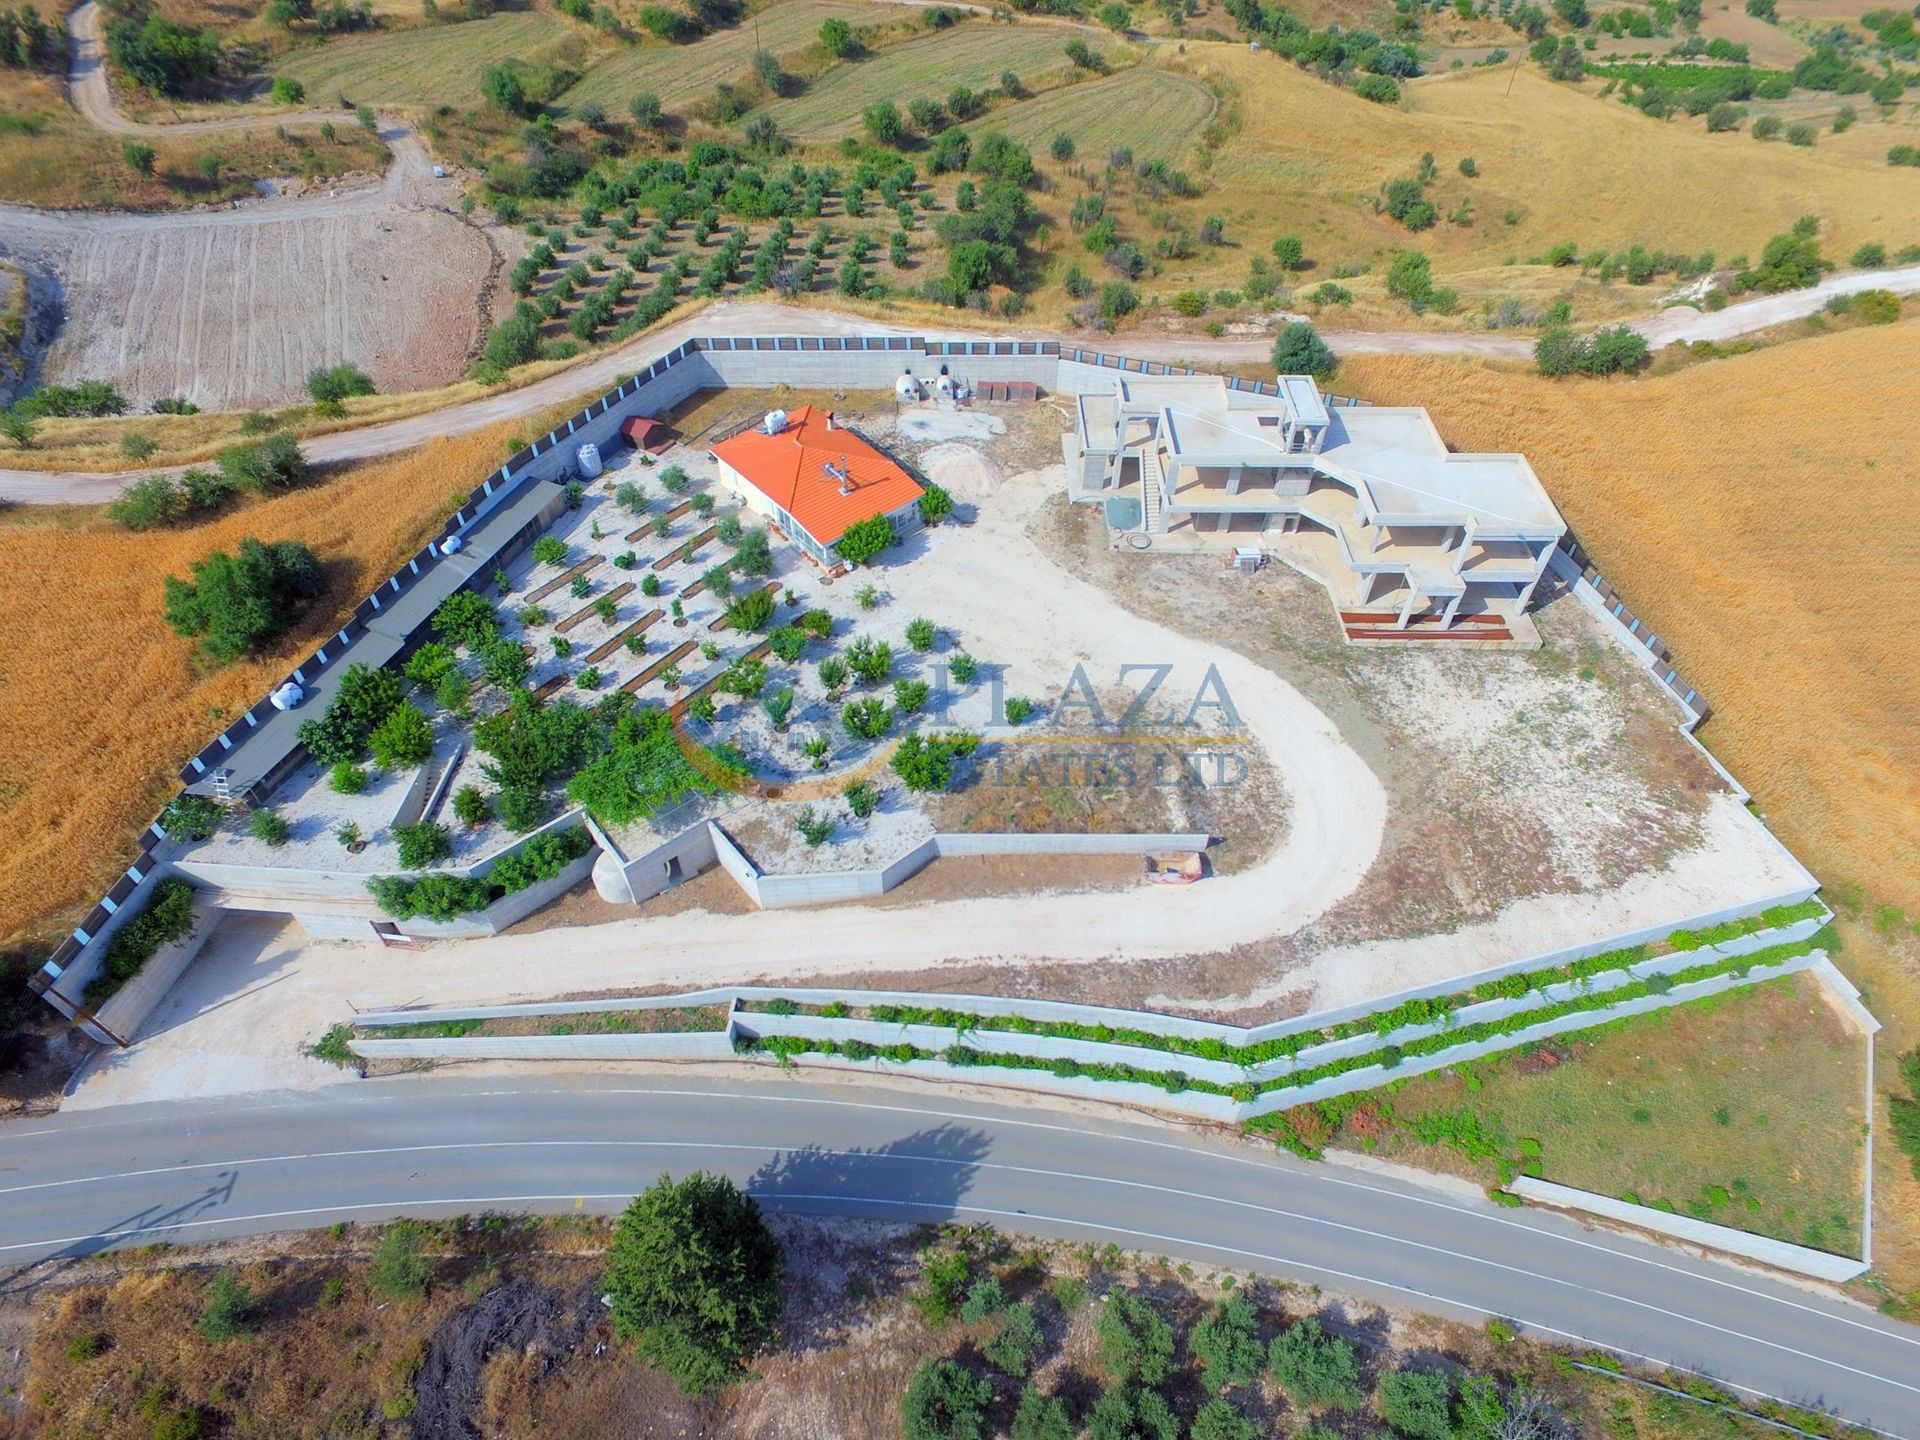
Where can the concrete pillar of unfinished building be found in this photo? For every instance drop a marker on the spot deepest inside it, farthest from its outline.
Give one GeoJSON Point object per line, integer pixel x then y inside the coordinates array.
{"type": "Point", "coordinates": [1233, 478]}
{"type": "Point", "coordinates": [1453, 609]}
{"type": "Point", "coordinates": [1406, 607]}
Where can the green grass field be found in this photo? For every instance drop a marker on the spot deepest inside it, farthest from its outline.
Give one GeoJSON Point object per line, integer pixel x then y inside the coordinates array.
{"type": "Point", "coordinates": [680, 73]}
{"type": "Point", "coordinates": [421, 68]}
{"type": "Point", "coordinates": [973, 55]}
{"type": "Point", "coordinates": [1154, 113]}
{"type": "Point", "coordinates": [1744, 1110]}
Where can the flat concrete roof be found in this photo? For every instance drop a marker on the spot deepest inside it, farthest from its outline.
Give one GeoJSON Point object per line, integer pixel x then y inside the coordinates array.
{"type": "Point", "coordinates": [276, 737]}
{"type": "Point", "coordinates": [1397, 459]}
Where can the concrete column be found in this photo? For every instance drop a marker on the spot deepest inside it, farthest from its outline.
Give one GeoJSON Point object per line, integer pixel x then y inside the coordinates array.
{"type": "Point", "coordinates": [1453, 609]}
{"type": "Point", "coordinates": [1233, 479]}
{"type": "Point", "coordinates": [1406, 609]}
{"type": "Point", "coordinates": [1220, 520]}
{"type": "Point", "coordinates": [1526, 595]}
{"type": "Point", "coordinates": [1379, 538]}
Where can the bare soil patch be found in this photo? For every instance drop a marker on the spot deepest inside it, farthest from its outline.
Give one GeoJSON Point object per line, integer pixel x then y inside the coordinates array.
{"type": "Point", "coordinates": [512, 1343]}
{"type": "Point", "coordinates": [234, 316]}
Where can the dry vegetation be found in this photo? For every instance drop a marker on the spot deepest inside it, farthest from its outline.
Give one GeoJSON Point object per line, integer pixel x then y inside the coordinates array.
{"type": "Point", "coordinates": [103, 704]}
{"type": "Point", "coordinates": [59, 161]}
{"type": "Point", "coordinates": [510, 1342]}
{"type": "Point", "coordinates": [1308, 159]}
{"type": "Point", "coordinates": [1766, 542]}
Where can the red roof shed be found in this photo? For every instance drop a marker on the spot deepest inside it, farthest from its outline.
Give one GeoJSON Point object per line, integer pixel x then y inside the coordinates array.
{"type": "Point", "coordinates": [643, 432]}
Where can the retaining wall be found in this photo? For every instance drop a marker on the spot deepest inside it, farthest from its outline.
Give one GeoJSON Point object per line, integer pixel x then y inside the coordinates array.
{"type": "Point", "coordinates": [128, 1007]}
{"type": "Point", "coordinates": [696, 364]}
{"type": "Point", "coordinates": [707, 843]}
{"type": "Point", "coordinates": [1780, 1254]}
{"type": "Point", "coordinates": [707, 1045]}
{"type": "Point", "coordinates": [1191, 1103]}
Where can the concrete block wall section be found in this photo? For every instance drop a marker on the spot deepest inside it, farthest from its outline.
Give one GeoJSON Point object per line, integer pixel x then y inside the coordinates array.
{"type": "Point", "coordinates": [1504, 1009]}
{"type": "Point", "coordinates": [1646, 935]}
{"type": "Point", "coordinates": [1198, 1105]}
{"type": "Point", "coordinates": [126, 1010]}
{"type": "Point", "coordinates": [1799, 1259]}
{"type": "Point", "coordinates": [759, 1024]}
{"type": "Point", "coordinates": [66, 990]}
{"type": "Point", "coordinates": [712, 1045]}
{"type": "Point", "coordinates": [1372, 1076]}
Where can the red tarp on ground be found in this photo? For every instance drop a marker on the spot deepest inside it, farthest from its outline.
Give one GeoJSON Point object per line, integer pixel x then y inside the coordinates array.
{"type": "Point", "coordinates": [644, 433]}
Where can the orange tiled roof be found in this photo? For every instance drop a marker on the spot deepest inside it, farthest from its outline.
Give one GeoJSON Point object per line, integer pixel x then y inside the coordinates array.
{"type": "Point", "coordinates": [790, 470]}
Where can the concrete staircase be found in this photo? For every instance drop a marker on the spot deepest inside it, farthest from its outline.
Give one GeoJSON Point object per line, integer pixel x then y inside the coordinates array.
{"type": "Point", "coordinates": [1153, 482]}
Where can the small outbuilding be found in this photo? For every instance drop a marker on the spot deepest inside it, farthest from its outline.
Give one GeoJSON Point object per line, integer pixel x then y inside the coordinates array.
{"type": "Point", "coordinates": [643, 432]}
{"type": "Point", "coordinates": [816, 479]}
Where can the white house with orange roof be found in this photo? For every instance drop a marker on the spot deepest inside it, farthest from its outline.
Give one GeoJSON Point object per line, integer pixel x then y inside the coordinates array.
{"type": "Point", "coordinates": [815, 479]}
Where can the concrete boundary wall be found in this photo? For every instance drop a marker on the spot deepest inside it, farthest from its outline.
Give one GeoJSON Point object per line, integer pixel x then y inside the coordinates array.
{"type": "Point", "coordinates": [127, 1009]}
{"type": "Point", "coordinates": [706, 1045]}
{"type": "Point", "coordinates": [1232, 1072]}
{"type": "Point", "coordinates": [712, 362]}
{"type": "Point", "coordinates": [707, 843]}
{"type": "Point", "coordinates": [1190, 1103]}
{"type": "Point", "coordinates": [1820, 1264]}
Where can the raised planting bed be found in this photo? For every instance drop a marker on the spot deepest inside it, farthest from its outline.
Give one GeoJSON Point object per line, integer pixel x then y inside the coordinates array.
{"type": "Point", "coordinates": [554, 584]}
{"type": "Point", "coordinates": [685, 702]}
{"type": "Point", "coordinates": [678, 652]}
{"type": "Point", "coordinates": [547, 689]}
{"type": "Point", "coordinates": [638, 627]}
{"type": "Point", "coordinates": [722, 623]}
{"type": "Point", "coordinates": [646, 530]}
{"type": "Point", "coordinates": [585, 612]}
{"type": "Point", "coordinates": [672, 557]}
{"type": "Point", "coordinates": [664, 1020]}
{"type": "Point", "coordinates": [966, 1049]}
{"type": "Point", "coordinates": [1438, 1017]}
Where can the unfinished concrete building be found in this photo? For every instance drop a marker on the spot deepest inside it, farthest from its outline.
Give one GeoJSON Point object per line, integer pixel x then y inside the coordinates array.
{"type": "Point", "coordinates": [1409, 540]}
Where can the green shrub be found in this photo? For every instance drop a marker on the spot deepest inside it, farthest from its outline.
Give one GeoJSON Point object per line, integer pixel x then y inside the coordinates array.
{"type": "Point", "coordinates": [1018, 1340]}
{"type": "Point", "coordinates": [1136, 1342]}
{"type": "Point", "coordinates": [421, 845]}
{"type": "Point", "coordinates": [226, 1309]}
{"type": "Point", "coordinates": [1227, 1343]}
{"type": "Point", "coordinates": [400, 1267]}
{"type": "Point", "coordinates": [1418, 1403]}
{"type": "Point", "coordinates": [403, 740]}
{"type": "Point", "coordinates": [1315, 1368]}
{"type": "Point", "coordinates": [945, 1401]}
{"type": "Point", "coordinates": [268, 828]}
{"type": "Point", "coordinates": [191, 817]}
{"type": "Point", "coordinates": [922, 635]}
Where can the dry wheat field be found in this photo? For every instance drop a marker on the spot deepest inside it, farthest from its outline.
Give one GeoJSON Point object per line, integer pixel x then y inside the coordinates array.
{"type": "Point", "coordinates": [1757, 511]}
{"type": "Point", "coordinates": [100, 703]}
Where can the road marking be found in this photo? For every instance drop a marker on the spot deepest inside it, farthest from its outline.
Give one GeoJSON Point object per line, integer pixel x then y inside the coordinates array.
{"type": "Point", "coordinates": [1266, 1163]}
{"type": "Point", "coordinates": [1176, 1241]}
{"type": "Point", "coordinates": [1065, 1175]}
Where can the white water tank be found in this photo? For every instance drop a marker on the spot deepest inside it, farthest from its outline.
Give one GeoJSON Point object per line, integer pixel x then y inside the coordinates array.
{"type": "Point", "coordinates": [588, 459]}
{"type": "Point", "coordinates": [775, 422]}
{"type": "Point", "coordinates": [287, 696]}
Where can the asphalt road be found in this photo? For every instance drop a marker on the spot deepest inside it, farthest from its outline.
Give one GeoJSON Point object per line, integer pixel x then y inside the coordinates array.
{"type": "Point", "coordinates": [199, 1171]}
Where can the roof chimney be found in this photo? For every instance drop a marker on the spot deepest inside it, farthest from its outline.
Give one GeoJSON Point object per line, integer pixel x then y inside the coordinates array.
{"type": "Point", "coordinates": [846, 477]}
{"type": "Point", "coordinates": [829, 420]}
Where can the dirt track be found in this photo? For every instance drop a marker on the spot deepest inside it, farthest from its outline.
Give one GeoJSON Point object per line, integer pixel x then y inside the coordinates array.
{"type": "Point", "coordinates": [231, 308]}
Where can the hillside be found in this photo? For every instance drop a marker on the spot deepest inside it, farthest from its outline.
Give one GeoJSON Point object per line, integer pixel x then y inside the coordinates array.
{"type": "Point", "coordinates": [1761, 540]}
{"type": "Point", "coordinates": [116, 702]}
